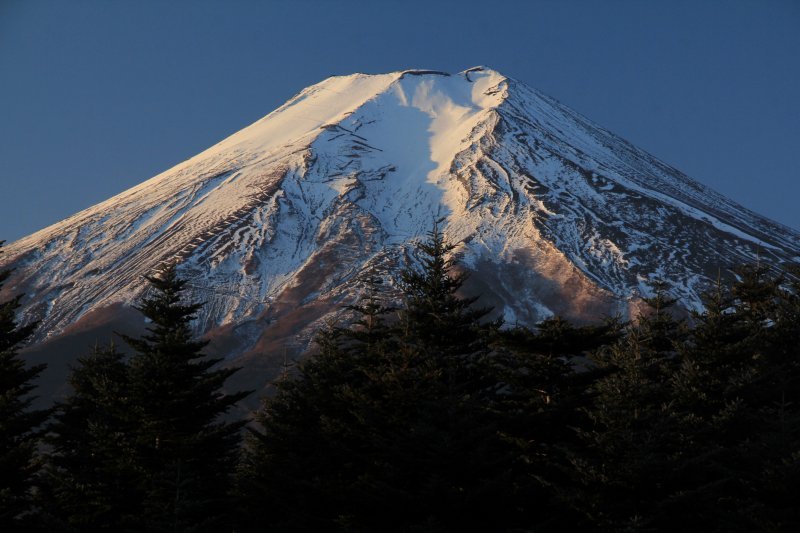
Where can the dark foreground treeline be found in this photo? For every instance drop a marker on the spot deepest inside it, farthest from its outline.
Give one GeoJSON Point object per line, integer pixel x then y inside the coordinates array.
{"type": "Point", "coordinates": [423, 417]}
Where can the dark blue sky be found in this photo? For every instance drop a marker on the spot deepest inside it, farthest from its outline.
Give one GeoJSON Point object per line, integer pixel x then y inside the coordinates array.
{"type": "Point", "coordinates": [97, 96]}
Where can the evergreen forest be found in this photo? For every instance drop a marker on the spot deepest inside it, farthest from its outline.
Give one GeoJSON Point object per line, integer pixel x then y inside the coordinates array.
{"type": "Point", "coordinates": [423, 415]}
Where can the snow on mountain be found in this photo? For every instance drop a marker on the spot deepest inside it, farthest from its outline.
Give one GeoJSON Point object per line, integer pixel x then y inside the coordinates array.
{"type": "Point", "coordinates": [275, 225]}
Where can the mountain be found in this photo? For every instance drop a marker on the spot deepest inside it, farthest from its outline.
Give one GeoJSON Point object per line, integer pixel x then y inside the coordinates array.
{"type": "Point", "coordinates": [277, 225]}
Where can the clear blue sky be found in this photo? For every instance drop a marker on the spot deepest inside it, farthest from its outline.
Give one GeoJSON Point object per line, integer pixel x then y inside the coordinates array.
{"type": "Point", "coordinates": [97, 96]}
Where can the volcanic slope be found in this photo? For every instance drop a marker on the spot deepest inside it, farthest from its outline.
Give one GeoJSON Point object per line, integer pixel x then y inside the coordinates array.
{"type": "Point", "coordinates": [276, 226]}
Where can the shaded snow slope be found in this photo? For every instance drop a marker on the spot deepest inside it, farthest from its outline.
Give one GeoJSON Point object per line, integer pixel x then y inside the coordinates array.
{"type": "Point", "coordinates": [275, 225]}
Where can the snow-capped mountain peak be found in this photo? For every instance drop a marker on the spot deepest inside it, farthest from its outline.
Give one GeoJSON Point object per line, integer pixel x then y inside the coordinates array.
{"type": "Point", "coordinates": [274, 225]}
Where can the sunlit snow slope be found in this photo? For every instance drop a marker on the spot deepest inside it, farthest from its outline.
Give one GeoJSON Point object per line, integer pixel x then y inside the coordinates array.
{"type": "Point", "coordinates": [276, 225]}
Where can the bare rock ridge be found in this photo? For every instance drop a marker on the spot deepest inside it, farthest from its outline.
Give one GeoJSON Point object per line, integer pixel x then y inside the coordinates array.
{"type": "Point", "coordinates": [276, 225]}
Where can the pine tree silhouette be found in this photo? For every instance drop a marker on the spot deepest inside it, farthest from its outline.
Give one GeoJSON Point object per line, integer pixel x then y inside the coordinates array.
{"type": "Point", "coordinates": [183, 450]}
{"type": "Point", "coordinates": [389, 426]}
{"type": "Point", "coordinates": [19, 423]}
{"type": "Point", "coordinates": [92, 478]}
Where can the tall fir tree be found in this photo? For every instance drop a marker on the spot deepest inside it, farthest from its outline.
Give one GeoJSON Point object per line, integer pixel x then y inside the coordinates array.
{"type": "Point", "coordinates": [709, 385]}
{"type": "Point", "coordinates": [302, 470]}
{"type": "Point", "coordinates": [387, 427]}
{"type": "Point", "coordinates": [449, 458]}
{"type": "Point", "coordinates": [767, 445]}
{"type": "Point", "coordinates": [707, 438]}
{"type": "Point", "coordinates": [779, 403]}
{"type": "Point", "coordinates": [626, 462]}
{"type": "Point", "coordinates": [434, 317]}
{"type": "Point", "coordinates": [19, 423]}
{"type": "Point", "coordinates": [91, 477]}
{"type": "Point", "coordinates": [547, 391]}
{"type": "Point", "coordinates": [183, 450]}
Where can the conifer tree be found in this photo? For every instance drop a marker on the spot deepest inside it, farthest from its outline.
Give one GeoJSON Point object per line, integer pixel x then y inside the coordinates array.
{"type": "Point", "coordinates": [701, 413]}
{"type": "Point", "coordinates": [779, 408]}
{"type": "Point", "coordinates": [18, 422]}
{"type": "Point", "coordinates": [303, 471]}
{"type": "Point", "coordinates": [387, 427]}
{"type": "Point", "coordinates": [434, 317]}
{"type": "Point", "coordinates": [91, 476]}
{"type": "Point", "coordinates": [727, 404]}
{"type": "Point", "coordinates": [707, 439]}
{"type": "Point", "coordinates": [767, 422]}
{"type": "Point", "coordinates": [544, 402]}
{"type": "Point", "coordinates": [183, 451]}
{"type": "Point", "coordinates": [626, 464]}
{"type": "Point", "coordinates": [444, 373]}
